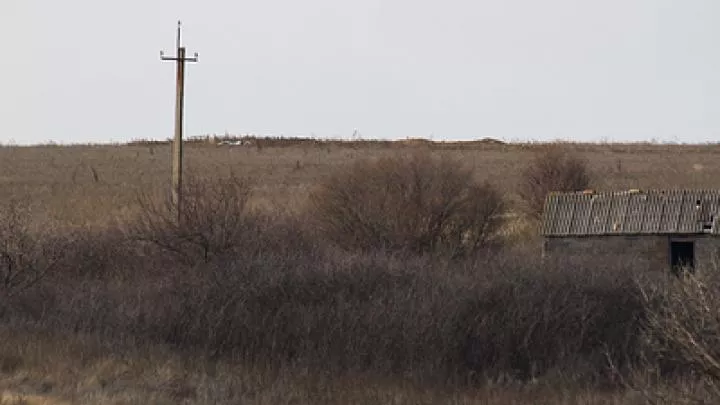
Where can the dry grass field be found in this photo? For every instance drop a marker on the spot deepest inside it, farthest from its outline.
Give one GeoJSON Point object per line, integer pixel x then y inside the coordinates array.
{"type": "Point", "coordinates": [287, 318]}
{"type": "Point", "coordinates": [91, 184]}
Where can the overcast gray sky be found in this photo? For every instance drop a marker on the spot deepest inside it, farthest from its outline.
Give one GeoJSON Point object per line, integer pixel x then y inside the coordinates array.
{"type": "Point", "coordinates": [89, 70]}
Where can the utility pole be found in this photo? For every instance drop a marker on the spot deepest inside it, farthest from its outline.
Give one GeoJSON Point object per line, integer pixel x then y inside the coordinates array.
{"type": "Point", "coordinates": [177, 152]}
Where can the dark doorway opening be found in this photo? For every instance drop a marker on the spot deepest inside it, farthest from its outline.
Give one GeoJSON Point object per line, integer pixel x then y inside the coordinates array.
{"type": "Point", "coordinates": [682, 256]}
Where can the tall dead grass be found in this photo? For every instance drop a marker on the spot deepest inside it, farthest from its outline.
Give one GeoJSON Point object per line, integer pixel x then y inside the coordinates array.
{"type": "Point", "coordinates": [368, 297]}
{"type": "Point", "coordinates": [28, 252]}
{"type": "Point", "coordinates": [428, 320]}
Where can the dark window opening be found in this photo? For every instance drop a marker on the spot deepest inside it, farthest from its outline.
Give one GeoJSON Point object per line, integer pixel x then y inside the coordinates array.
{"type": "Point", "coordinates": [682, 256]}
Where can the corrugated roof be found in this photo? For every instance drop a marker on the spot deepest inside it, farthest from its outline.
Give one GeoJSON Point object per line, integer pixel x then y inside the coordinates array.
{"type": "Point", "coordinates": [632, 212]}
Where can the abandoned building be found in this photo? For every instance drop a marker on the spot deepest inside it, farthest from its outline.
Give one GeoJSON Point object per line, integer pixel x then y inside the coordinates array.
{"type": "Point", "coordinates": [668, 229]}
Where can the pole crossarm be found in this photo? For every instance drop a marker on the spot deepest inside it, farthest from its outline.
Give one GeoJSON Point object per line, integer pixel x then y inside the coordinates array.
{"type": "Point", "coordinates": [179, 57]}
{"type": "Point", "coordinates": [173, 58]}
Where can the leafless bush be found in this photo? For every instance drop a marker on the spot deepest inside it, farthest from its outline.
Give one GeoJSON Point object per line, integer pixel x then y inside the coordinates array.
{"type": "Point", "coordinates": [682, 337]}
{"type": "Point", "coordinates": [94, 253]}
{"type": "Point", "coordinates": [388, 314]}
{"type": "Point", "coordinates": [555, 169]}
{"type": "Point", "coordinates": [27, 253]}
{"type": "Point", "coordinates": [415, 203]}
{"type": "Point", "coordinates": [532, 320]}
{"type": "Point", "coordinates": [214, 218]}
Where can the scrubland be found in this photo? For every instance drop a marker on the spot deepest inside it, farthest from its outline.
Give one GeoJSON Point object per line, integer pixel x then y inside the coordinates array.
{"type": "Point", "coordinates": [336, 273]}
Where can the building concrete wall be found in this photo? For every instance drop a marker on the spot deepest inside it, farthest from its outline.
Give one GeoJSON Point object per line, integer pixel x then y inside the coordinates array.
{"type": "Point", "coordinates": [644, 251]}
{"type": "Point", "coordinates": [707, 252]}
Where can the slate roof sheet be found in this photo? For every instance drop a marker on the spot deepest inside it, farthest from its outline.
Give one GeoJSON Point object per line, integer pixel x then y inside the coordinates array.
{"type": "Point", "coordinates": [632, 212]}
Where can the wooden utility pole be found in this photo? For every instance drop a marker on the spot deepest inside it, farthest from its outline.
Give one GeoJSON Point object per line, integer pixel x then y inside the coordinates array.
{"type": "Point", "coordinates": [177, 153]}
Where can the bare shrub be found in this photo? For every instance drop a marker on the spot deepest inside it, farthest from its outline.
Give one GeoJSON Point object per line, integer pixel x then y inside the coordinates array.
{"type": "Point", "coordinates": [555, 169]}
{"type": "Point", "coordinates": [414, 203]}
{"type": "Point", "coordinates": [682, 337]}
{"type": "Point", "coordinates": [214, 218]}
{"type": "Point", "coordinates": [378, 313]}
{"type": "Point", "coordinates": [27, 253]}
{"type": "Point", "coordinates": [530, 321]}
{"type": "Point", "coordinates": [94, 253]}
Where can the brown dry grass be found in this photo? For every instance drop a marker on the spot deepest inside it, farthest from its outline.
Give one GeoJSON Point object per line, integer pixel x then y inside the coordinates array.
{"type": "Point", "coordinates": [145, 329]}
{"type": "Point", "coordinates": [94, 184]}
{"type": "Point", "coordinates": [61, 371]}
